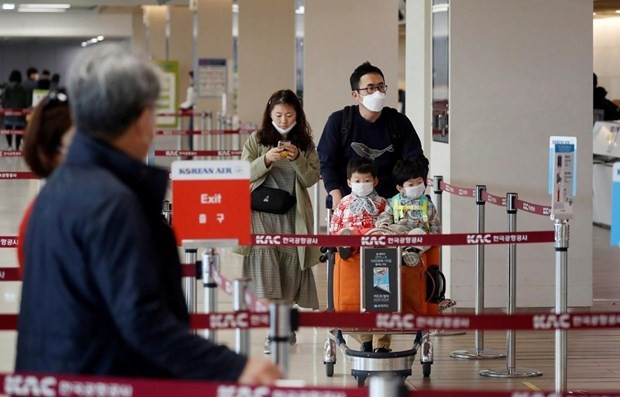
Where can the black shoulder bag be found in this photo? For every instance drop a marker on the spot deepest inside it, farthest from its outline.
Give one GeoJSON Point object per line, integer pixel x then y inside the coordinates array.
{"type": "Point", "coordinates": [272, 200]}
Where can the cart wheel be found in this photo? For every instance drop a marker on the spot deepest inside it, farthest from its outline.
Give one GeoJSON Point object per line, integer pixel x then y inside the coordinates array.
{"type": "Point", "coordinates": [360, 381]}
{"type": "Point", "coordinates": [329, 369]}
{"type": "Point", "coordinates": [426, 369]}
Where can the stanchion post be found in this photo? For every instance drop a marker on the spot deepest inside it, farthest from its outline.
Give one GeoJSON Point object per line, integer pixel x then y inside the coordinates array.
{"type": "Point", "coordinates": [511, 370]}
{"type": "Point", "coordinates": [439, 207]}
{"type": "Point", "coordinates": [210, 262]}
{"type": "Point", "coordinates": [561, 303]}
{"type": "Point", "coordinates": [386, 385]}
{"type": "Point", "coordinates": [479, 353]}
{"type": "Point", "coordinates": [166, 212]}
{"type": "Point", "coordinates": [242, 336]}
{"type": "Point", "coordinates": [315, 207]}
{"type": "Point", "coordinates": [191, 298]}
{"type": "Point", "coordinates": [280, 334]}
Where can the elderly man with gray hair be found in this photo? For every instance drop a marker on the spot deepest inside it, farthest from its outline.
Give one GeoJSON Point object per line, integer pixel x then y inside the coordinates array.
{"type": "Point", "coordinates": [102, 292]}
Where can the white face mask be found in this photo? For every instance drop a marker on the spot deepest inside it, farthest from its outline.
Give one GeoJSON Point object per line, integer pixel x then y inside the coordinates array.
{"type": "Point", "coordinates": [415, 191]}
{"type": "Point", "coordinates": [374, 102]}
{"type": "Point", "coordinates": [362, 189]}
{"type": "Point", "coordinates": [282, 130]}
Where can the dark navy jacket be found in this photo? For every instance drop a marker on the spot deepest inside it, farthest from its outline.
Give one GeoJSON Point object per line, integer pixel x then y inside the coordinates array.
{"type": "Point", "coordinates": [102, 283]}
{"type": "Point", "coordinates": [370, 140]}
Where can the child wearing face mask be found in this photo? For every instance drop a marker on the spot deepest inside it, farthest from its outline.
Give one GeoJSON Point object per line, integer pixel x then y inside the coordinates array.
{"type": "Point", "coordinates": [360, 209]}
{"type": "Point", "coordinates": [357, 213]}
{"type": "Point", "coordinates": [410, 211]}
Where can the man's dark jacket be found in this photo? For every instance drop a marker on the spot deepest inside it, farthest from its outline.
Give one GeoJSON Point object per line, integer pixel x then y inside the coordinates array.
{"type": "Point", "coordinates": [102, 283]}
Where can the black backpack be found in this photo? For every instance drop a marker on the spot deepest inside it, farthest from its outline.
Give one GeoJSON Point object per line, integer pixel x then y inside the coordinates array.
{"type": "Point", "coordinates": [395, 133]}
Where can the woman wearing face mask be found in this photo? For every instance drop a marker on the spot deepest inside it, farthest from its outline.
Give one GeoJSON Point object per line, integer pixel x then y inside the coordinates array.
{"type": "Point", "coordinates": [282, 156]}
{"type": "Point", "coordinates": [410, 211]}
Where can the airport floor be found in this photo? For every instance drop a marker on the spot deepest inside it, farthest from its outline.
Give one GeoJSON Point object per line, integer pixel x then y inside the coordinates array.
{"type": "Point", "coordinates": [593, 356]}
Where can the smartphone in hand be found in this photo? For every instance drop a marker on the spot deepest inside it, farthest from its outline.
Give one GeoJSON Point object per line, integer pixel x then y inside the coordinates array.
{"type": "Point", "coordinates": [284, 145]}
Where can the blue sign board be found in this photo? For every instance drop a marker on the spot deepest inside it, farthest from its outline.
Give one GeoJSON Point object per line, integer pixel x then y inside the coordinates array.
{"type": "Point", "coordinates": [615, 206]}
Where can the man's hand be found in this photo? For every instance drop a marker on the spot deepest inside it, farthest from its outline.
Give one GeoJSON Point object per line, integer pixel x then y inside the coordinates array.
{"type": "Point", "coordinates": [336, 197]}
{"type": "Point", "coordinates": [260, 371]}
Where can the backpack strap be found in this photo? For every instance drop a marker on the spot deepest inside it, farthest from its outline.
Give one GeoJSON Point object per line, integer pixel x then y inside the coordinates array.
{"type": "Point", "coordinates": [400, 210]}
{"type": "Point", "coordinates": [345, 129]}
{"type": "Point", "coordinates": [396, 136]}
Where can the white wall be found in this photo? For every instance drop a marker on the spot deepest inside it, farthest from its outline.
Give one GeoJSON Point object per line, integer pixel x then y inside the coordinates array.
{"type": "Point", "coordinates": [607, 54]}
{"type": "Point", "coordinates": [70, 24]}
{"type": "Point", "coordinates": [519, 72]}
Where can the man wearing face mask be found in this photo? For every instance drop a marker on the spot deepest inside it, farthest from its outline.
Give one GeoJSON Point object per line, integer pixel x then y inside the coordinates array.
{"type": "Point", "coordinates": [370, 135]}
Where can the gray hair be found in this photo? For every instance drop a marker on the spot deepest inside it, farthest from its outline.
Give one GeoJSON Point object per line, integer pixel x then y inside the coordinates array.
{"type": "Point", "coordinates": [109, 88]}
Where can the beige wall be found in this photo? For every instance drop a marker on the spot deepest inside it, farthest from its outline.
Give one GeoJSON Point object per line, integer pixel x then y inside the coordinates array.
{"type": "Point", "coordinates": [607, 54]}
{"type": "Point", "coordinates": [156, 20]}
{"type": "Point", "coordinates": [515, 80]}
{"type": "Point", "coordinates": [336, 42]}
{"type": "Point", "coordinates": [266, 53]}
{"type": "Point", "coordinates": [215, 41]}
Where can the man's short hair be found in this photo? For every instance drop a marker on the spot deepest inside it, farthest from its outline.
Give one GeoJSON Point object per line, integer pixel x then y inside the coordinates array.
{"type": "Point", "coordinates": [361, 70]}
{"type": "Point", "coordinates": [109, 88]}
{"type": "Point", "coordinates": [30, 71]}
{"type": "Point", "coordinates": [361, 165]}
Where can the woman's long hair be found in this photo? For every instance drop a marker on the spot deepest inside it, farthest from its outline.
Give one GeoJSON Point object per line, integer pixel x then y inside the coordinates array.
{"type": "Point", "coordinates": [300, 135]}
{"type": "Point", "coordinates": [49, 122]}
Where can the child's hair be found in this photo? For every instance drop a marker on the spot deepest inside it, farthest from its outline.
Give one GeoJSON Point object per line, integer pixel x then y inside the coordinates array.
{"type": "Point", "coordinates": [361, 165]}
{"type": "Point", "coordinates": [409, 169]}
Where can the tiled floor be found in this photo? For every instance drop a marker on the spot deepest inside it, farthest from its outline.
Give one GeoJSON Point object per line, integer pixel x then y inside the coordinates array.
{"type": "Point", "coordinates": [594, 356]}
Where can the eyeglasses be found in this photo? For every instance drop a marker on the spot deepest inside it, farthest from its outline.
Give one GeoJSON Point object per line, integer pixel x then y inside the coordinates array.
{"type": "Point", "coordinates": [54, 99]}
{"type": "Point", "coordinates": [382, 88]}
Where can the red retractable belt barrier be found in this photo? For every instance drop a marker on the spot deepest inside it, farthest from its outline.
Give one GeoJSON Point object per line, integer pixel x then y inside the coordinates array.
{"type": "Point", "coordinates": [9, 274]}
{"type": "Point", "coordinates": [401, 240]}
{"type": "Point", "coordinates": [11, 132]}
{"type": "Point", "coordinates": [18, 175]}
{"type": "Point", "coordinates": [496, 200]}
{"type": "Point", "coordinates": [22, 385]}
{"type": "Point", "coordinates": [14, 112]}
{"type": "Point", "coordinates": [25, 384]}
{"type": "Point", "coordinates": [10, 153]}
{"type": "Point", "coordinates": [192, 153]}
{"type": "Point", "coordinates": [202, 132]}
{"type": "Point", "coordinates": [399, 321]}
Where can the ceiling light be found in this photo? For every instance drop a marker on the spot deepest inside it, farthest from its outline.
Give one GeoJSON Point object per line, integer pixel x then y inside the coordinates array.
{"type": "Point", "coordinates": [8, 6]}
{"type": "Point", "coordinates": [41, 10]}
{"type": "Point", "coordinates": [53, 6]}
{"type": "Point", "coordinates": [440, 8]}
{"type": "Point", "coordinates": [617, 11]}
{"type": "Point", "coordinates": [300, 10]}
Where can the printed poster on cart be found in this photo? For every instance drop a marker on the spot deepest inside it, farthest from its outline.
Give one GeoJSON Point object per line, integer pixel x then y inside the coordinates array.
{"type": "Point", "coordinates": [380, 279]}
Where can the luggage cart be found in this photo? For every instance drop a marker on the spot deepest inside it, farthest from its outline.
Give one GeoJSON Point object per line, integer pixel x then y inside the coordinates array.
{"type": "Point", "coordinates": [366, 364]}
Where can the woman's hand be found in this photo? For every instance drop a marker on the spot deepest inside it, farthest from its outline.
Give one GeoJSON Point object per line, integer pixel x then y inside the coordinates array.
{"type": "Point", "coordinates": [292, 152]}
{"type": "Point", "coordinates": [275, 154]}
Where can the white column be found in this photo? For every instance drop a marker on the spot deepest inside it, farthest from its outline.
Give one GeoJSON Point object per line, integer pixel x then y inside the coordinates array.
{"type": "Point", "coordinates": [515, 79]}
